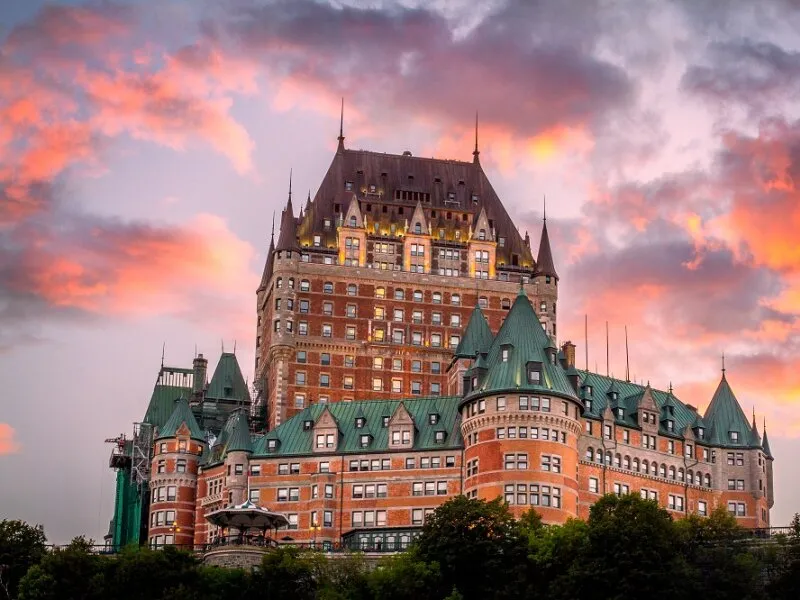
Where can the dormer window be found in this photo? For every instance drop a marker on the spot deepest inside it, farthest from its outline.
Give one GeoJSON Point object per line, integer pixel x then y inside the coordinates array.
{"type": "Point", "coordinates": [385, 421]}
{"type": "Point", "coordinates": [474, 198]}
{"type": "Point", "coordinates": [534, 373]}
{"type": "Point", "coordinates": [326, 224]}
{"type": "Point", "coordinates": [670, 425]}
{"type": "Point", "coordinates": [734, 436]}
{"type": "Point", "coordinates": [701, 431]}
{"type": "Point", "coordinates": [614, 395]}
{"type": "Point", "coordinates": [348, 186]}
{"type": "Point", "coordinates": [272, 445]}
{"type": "Point", "coordinates": [353, 221]}
{"type": "Point", "coordinates": [433, 418]}
{"type": "Point", "coordinates": [482, 234]}
{"type": "Point", "coordinates": [505, 353]}
{"type": "Point", "coordinates": [620, 413]}
{"type": "Point", "coordinates": [364, 440]}
{"type": "Point", "coordinates": [451, 195]}
{"type": "Point", "coordinates": [439, 437]}
{"type": "Point", "coordinates": [587, 404]}
{"type": "Point", "coordinates": [307, 425]}
{"type": "Point", "coordinates": [372, 188]}
{"type": "Point", "coordinates": [360, 422]}
{"type": "Point", "coordinates": [417, 228]}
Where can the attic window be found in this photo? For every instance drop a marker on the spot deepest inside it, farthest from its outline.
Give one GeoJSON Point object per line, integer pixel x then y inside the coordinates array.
{"type": "Point", "coordinates": [326, 224]}
{"type": "Point", "coordinates": [433, 418]}
{"type": "Point", "coordinates": [614, 395]}
{"type": "Point", "coordinates": [352, 224]}
{"type": "Point", "coordinates": [734, 436]}
{"type": "Point", "coordinates": [440, 435]}
{"type": "Point", "coordinates": [505, 353]}
{"type": "Point", "coordinates": [474, 198]}
{"type": "Point", "coordinates": [460, 182]}
{"type": "Point", "coordinates": [587, 404]}
{"type": "Point", "coordinates": [372, 188]}
{"type": "Point", "coordinates": [417, 228]}
{"type": "Point", "coordinates": [437, 180]}
{"type": "Point", "coordinates": [272, 444]}
{"type": "Point", "coordinates": [385, 421]}
{"type": "Point", "coordinates": [501, 242]}
{"type": "Point", "coordinates": [620, 413]}
{"type": "Point", "coordinates": [348, 186]}
{"type": "Point", "coordinates": [670, 425]}
{"type": "Point", "coordinates": [410, 177]}
{"type": "Point", "coordinates": [588, 390]}
{"type": "Point", "coordinates": [535, 373]}
{"type": "Point", "coordinates": [364, 440]}
{"type": "Point", "coordinates": [384, 174]}
{"type": "Point", "coordinates": [360, 422]}
{"type": "Point", "coordinates": [307, 425]}
{"type": "Point", "coordinates": [451, 195]}
{"type": "Point", "coordinates": [228, 391]}
{"type": "Point", "coordinates": [360, 172]}
{"type": "Point", "coordinates": [701, 432]}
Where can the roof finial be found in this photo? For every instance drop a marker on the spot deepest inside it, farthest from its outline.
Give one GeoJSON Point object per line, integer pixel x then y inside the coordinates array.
{"type": "Point", "coordinates": [544, 208]}
{"type": "Point", "coordinates": [670, 387]}
{"type": "Point", "coordinates": [723, 363]}
{"type": "Point", "coordinates": [290, 184]}
{"type": "Point", "coordinates": [341, 129]}
{"type": "Point", "coordinates": [234, 346]}
{"type": "Point", "coordinates": [476, 152]}
{"type": "Point", "coordinates": [273, 225]}
{"type": "Point", "coordinates": [163, 349]}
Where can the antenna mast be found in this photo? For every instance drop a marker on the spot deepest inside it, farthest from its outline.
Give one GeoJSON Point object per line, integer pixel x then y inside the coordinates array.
{"type": "Point", "coordinates": [627, 362]}
{"type": "Point", "coordinates": [607, 367]}
{"type": "Point", "coordinates": [586, 338]}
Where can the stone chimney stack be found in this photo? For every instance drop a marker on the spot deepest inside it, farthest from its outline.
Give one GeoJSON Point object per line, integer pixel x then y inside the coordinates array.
{"type": "Point", "coordinates": [569, 354]}
{"type": "Point", "coordinates": [200, 367]}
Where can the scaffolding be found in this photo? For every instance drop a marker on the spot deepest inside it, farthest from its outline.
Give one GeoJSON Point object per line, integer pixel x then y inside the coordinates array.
{"type": "Point", "coordinates": [140, 453]}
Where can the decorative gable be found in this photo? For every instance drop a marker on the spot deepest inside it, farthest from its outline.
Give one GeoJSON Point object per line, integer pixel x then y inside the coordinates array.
{"type": "Point", "coordinates": [325, 432]}
{"type": "Point", "coordinates": [648, 411]}
{"type": "Point", "coordinates": [482, 231]}
{"type": "Point", "coordinates": [401, 429]}
{"type": "Point", "coordinates": [353, 218]}
{"type": "Point", "coordinates": [418, 224]}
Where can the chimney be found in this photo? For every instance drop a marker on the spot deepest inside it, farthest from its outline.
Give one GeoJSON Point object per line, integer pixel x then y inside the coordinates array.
{"type": "Point", "coordinates": [569, 354]}
{"type": "Point", "coordinates": [200, 368]}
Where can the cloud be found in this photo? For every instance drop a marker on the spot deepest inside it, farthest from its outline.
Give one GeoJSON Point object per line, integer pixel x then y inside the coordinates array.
{"type": "Point", "coordinates": [516, 67]}
{"type": "Point", "coordinates": [8, 445]}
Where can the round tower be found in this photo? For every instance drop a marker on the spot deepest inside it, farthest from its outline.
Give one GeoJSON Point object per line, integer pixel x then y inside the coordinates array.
{"type": "Point", "coordinates": [521, 422]}
{"type": "Point", "coordinates": [173, 479]}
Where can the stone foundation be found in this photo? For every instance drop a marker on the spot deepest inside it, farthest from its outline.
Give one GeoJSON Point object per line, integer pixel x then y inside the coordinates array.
{"type": "Point", "coordinates": [235, 557]}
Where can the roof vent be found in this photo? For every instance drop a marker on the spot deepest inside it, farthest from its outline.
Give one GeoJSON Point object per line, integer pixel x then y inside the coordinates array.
{"type": "Point", "coordinates": [407, 153]}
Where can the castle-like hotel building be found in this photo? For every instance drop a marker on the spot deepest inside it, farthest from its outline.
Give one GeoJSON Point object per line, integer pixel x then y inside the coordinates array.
{"type": "Point", "coordinates": [405, 353]}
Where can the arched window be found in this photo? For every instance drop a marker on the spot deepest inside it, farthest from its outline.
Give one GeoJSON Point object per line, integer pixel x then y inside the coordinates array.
{"type": "Point", "coordinates": [645, 467]}
{"type": "Point", "coordinates": [598, 457]}
{"type": "Point", "coordinates": [698, 479]}
{"type": "Point", "coordinates": [482, 234]}
{"type": "Point", "coordinates": [626, 463]}
{"type": "Point", "coordinates": [590, 454]}
{"type": "Point", "coordinates": [352, 221]}
{"type": "Point", "coordinates": [708, 480]}
{"type": "Point", "coordinates": [681, 475]}
{"type": "Point", "coordinates": [690, 476]}
{"type": "Point", "coordinates": [617, 461]}
{"type": "Point", "coordinates": [608, 458]}
{"type": "Point", "coordinates": [291, 283]}
{"type": "Point", "coordinates": [636, 464]}
{"type": "Point", "coordinates": [662, 470]}
{"type": "Point", "coordinates": [672, 472]}
{"type": "Point", "coordinates": [279, 283]}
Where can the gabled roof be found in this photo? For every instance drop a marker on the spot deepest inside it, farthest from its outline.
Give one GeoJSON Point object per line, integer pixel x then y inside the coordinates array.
{"type": "Point", "coordinates": [544, 261]}
{"type": "Point", "coordinates": [227, 381]}
{"type": "Point", "coordinates": [418, 217]}
{"type": "Point", "coordinates": [296, 441]}
{"type": "Point", "coordinates": [522, 333]}
{"type": "Point", "coordinates": [725, 415]}
{"type": "Point", "coordinates": [181, 415]}
{"type": "Point", "coordinates": [477, 336]}
{"type": "Point", "coordinates": [162, 403]}
{"type": "Point", "coordinates": [482, 223]}
{"type": "Point", "coordinates": [353, 211]}
{"type": "Point", "coordinates": [398, 174]}
{"type": "Point", "coordinates": [631, 396]}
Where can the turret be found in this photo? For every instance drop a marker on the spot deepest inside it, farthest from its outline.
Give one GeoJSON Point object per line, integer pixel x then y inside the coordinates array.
{"type": "Point", "coordinates": [546, 280]}
{"type": "Point", "coordinates": [173, 483]}
{"type": "Point", "coordinates": [236, 454]}
{"type": "Point", "coordinates": [477, 339]}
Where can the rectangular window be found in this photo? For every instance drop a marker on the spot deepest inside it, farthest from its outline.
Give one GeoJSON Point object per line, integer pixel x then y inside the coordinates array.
{"type": "Point", "coordinates": [594, 485]}
{"type": "Point", "coordinates": [702, 508]}
{"type": "Point", "coordinates": [416, 516]}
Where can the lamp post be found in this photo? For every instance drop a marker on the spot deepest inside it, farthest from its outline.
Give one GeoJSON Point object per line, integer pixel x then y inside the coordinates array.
{"type": "Point", "coordinates": [175, 529]}
{"type": "Point", "coordinates": [314, 528]}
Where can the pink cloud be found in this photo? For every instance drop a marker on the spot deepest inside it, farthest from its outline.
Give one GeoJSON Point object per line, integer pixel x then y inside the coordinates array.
{"type": "Point", "coordinates": [8, 445]}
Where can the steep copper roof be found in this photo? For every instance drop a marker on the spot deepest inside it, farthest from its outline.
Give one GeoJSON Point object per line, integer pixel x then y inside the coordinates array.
{"type": "Point", "coordinates": [287, 239]}
{"type": "Point", "coordinates": [400, 182]}
{"type": "Point", "coordinates": [544, 262]}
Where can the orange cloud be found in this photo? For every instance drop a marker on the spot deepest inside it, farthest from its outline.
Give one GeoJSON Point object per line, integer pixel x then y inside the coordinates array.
{"type": "Point", "coordinates": [8, 445]}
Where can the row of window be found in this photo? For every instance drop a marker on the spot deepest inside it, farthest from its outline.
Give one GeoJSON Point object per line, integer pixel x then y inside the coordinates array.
{"type": "Point", "coordinates": [161, 518]}
{"type": "Point", "coordinates": [379, 313]}
{"type": "Point", "coordinates": [164, 493]}
{"type": "Point", "coordinates": [180, 466]}
{"type": "Point", "coordinates": [378, 362]}
{"type": "Point", "coordinates": [384, 464]}
{"type": "Point", "coordinates": [534, 494]}
{"type": "Point", "coordinates": [378, 334]}
{"type": "Point", "coordinates": [648, 468]}
{"type": "Point", "coordinates": [534, 433]}
{"type": "Point", "coordinates": [530, 403]}
{"type": "Point", "coordinates": [348, 383]}
{"type": "Point", "coordinates": [651, 443]}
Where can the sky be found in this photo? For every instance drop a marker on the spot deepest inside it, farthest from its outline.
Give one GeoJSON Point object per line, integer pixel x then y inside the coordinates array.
{"type": "Point", "coordinates": [145, 146]}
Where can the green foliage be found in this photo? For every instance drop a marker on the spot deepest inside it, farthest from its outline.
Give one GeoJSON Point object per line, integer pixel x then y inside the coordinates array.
{"type": "Point", "coordinates": [21, 547]}
{"type": "Point", "coordinates": [405, 576]}
{"type": "Point", "coordinates": [786, 581]}
{"type": "Point", "coordinates": [72, 572]}
{"type": "Point", "coordinates": [473, 541]}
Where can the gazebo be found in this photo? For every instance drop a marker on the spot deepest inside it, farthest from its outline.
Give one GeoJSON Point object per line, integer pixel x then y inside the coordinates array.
{"type": "Point", "coordinates": [245, 546]}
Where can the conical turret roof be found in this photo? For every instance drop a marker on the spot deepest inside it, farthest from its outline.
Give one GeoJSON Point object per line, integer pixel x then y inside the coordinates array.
{"type": "Point", "coordinates": [267, 274]}
{"type": "Point", "coordinates": [239, 439]}
{"type": "Point", "coordinates": [477, 336]}
{"type": "Point", "coordinates": [726, 419]}
{"type": "Point", "coordinates": [522, 335]}
{"type": "Point", "coordinates": [228, 381]}
{"type": "Point", "coordinates": [544, 262]}
{"type": "Point", "coordinates": [182, 414]}
{"type": "Point", "coordinates": [765, 444]}
{"type": "Point", "coordinates": [287, 239]}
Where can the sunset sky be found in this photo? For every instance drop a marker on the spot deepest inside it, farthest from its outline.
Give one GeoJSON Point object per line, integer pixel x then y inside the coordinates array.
{"type": "Point", "coordinates": [145, 145]}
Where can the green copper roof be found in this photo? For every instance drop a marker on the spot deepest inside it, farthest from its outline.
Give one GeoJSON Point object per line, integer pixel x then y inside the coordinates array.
{"type": "Point", "coordinates": [522, 335]}
{"type": "Point", "coordinates": [477, 336]}
{"type": "Point", "coordinates": [239, 439]}
{"type": "Point", "coordinates": [629, 397]}
{"type": "Point", "coordinates": [765, 444]}
{"type": "Point", "coordinates": [227, 381]}
{"type": "Point", "coordinates": [180, 415]}
{"type": "Point", "coordinates": [725, 416]}
{"type": "Point", "coordinates": [296, 440]}
{"type": "Point", "coordinates": [162, 403]}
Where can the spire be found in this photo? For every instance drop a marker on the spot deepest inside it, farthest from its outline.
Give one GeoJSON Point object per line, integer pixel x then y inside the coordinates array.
{"type": "Point", "coordinates": [267, 274]}
{"type": "Point", "coordinates": [544, 208]}
{"type": "Point", "coordinates": [287, 240]}
{"type": "Point", "coordinates": [308, 201]}
{"type": "Point", "coordinates": [765, 441]}
{"type": "Point", "coordinates": [340, 148]}
{"type": "Point", "coordinates": [477, 336]}
{"type": "Point", "coordinates": [544, 262]}
{"type": "Point", "coordinates": [476, 152]}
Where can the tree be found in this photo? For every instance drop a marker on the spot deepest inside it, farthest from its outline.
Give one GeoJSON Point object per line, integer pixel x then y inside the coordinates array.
{"type": "Point", "coordinates": [21, 547]}
{"type": "Point", "coordinates": [786, 582]}
{"type": "Point", "coordinates": [288, 572]}
{"type": "Point", "coordinates": [631, 552]}
{"type": "Point", "coordinates": [718, 565]}
{"type": "Point", "coordinates": [479, 546]}
{"type": "Point", "coordinates": [554, 551]}
{"type": "Point", "coordinates": [405, 576]}
{"type": "Point", "coordinates": [72, 572]}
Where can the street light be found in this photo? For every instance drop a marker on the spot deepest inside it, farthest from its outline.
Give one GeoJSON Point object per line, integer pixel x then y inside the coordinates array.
{"type": "Point", "coordinates": [315, 528]}
{"type": "Point", "coordinates": [175, 529]}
